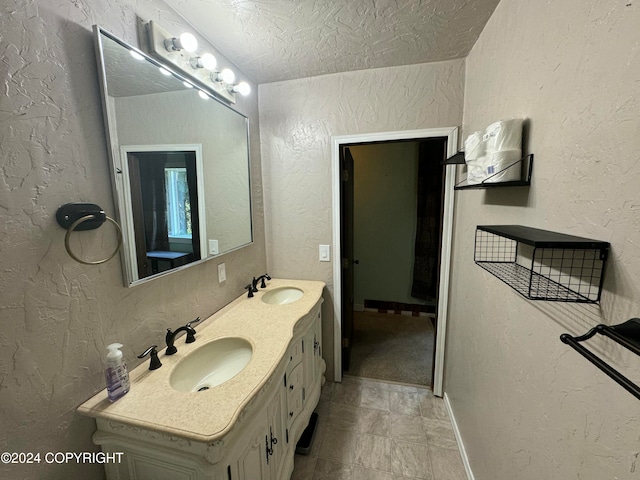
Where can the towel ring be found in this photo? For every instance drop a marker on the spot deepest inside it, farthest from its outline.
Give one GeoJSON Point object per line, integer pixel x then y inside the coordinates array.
{"type": "Point", "coordinates": [84, 219]}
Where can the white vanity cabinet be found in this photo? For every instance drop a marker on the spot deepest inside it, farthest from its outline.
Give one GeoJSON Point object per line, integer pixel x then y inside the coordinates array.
{"type": "Point", "coordinates": [259, 443]}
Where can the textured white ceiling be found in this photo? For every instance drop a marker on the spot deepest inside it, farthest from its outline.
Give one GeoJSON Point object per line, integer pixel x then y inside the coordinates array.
{"type": "Point", "coordinates": [272, 40]}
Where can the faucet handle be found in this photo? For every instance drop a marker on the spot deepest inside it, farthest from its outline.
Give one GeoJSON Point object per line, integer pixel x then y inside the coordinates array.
{"type": "Point", "coordinates": [250, 289]}
{"type": "Point", "coordinates": [153, 353]}
{"type": "Point", "coordinates": [254, 285]}
{"type": "Point", "coordinates": [191, 332]}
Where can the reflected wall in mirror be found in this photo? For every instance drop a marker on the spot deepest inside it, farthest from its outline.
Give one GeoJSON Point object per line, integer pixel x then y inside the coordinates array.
{"type": "Point", "coordinates": [180, 164]}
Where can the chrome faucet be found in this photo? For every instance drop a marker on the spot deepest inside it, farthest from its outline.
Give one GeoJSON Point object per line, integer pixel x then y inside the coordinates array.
{"type": "Point", "coordinates": [171, 336]}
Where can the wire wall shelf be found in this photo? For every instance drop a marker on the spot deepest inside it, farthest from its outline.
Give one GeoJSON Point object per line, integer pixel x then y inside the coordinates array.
{"type": "Point", "coordinates": [542, 265]}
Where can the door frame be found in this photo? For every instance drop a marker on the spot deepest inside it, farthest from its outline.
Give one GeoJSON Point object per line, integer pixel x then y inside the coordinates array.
{"type": "Point", "coordinates": [451, 133]}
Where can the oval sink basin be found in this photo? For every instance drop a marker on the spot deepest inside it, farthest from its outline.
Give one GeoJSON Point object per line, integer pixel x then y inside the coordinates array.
{"type": "Point", "coordinates": [282, 295]}
{"type": "Point", "coordinates": [211, 365]}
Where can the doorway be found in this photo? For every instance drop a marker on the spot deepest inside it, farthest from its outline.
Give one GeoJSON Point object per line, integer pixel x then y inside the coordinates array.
{"type": "Point", "coordinates": [391, 229]}
{"type": "Point", "coordinates": [345, 264]}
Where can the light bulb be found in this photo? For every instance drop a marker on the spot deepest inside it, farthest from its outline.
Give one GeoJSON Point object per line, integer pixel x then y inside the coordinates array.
{"type": "Point", "coordinates": [164, 71]}
{"type": "Point", "coordinates": [227, 76]}
{"type": "Point", "coordinates": [243, 88]}
{"type": "Point", "coordinates": [203, 95]}
{"type": "Point", "coordinates": [186, 42]}
{"type": "Point", "coordinates": [187, 84]}
{"type": "Point", "coordinates": [206, 61]}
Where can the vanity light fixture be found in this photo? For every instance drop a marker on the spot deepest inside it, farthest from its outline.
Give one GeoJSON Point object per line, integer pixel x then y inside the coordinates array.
{"type": "Point", "coordinates": [206, 61]}
{"type": "Point", "coordinates": [243, 88]}
{"type": "Point", "coordinates": [203, 95]}
{"type": "Point", "coordinates": [186, 42]}
{"type": "Point", "coordinates": [187, 84]}
{"type": "Point", "coordinates": [198, 67]}
{"type": "Point", "coordinates": [164, 71]}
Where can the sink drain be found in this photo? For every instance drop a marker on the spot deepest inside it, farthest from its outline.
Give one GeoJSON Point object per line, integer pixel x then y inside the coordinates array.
{"type": "Point", "coordinates": [202, 389]}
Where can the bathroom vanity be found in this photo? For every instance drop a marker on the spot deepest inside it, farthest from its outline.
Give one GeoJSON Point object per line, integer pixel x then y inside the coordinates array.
{"type": "Point", "coordinates": [174, 425]}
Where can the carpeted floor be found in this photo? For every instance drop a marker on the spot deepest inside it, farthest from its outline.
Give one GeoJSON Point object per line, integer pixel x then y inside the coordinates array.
{"type": "Point", "coordinates": [395, 348]}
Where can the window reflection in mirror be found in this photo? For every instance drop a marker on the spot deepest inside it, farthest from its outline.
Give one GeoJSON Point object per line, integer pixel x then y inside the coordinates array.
{"type": "Point", "coordinates": [150, 115]}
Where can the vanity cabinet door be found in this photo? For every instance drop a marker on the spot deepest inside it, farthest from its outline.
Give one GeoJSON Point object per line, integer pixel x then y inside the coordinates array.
{"type": "Point", "coordinates": [277, 419]}
{"type": "Point", "coordinates": [248, 460]}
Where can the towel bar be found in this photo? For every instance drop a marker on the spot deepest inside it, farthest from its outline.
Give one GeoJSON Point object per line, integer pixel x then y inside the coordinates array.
{"type": "Point", "coordinates": [626, 334]}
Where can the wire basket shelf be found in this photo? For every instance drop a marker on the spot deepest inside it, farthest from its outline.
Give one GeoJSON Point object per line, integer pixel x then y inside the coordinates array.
{"type": "Point", "coordinates": [542, 265]}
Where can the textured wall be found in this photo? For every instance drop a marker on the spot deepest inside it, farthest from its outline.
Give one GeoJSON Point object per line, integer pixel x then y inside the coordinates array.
{"type": "Point", "coordinates": [528, 406]}
{"type": "Point", "coordinates": [57, 315]}
{"type": "Point", "coordinates": [385, 208]}
{"type": "Point", "coordinates": [297, 120]}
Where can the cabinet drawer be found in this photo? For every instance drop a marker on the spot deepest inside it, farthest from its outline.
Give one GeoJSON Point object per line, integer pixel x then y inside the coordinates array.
{"type": "Point", "coordinates": [295, 354]}
{"type": "Point", "coordinates": [295, 391]}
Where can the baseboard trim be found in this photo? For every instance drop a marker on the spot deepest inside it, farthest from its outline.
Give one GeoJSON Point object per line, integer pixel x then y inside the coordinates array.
{"type": "Point", "coordinates": [456, 432]}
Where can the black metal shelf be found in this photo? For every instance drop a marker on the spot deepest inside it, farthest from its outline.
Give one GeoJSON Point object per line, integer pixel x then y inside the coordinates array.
{"type": "Point", "coordinates": [553, 266]}
{"type": "Point", "coordinates": [536, 237]}
{"type": "Point", "coordinates": [626, 334]}
{"type": "Point", "coordinates": [525, 165]}
{"type": "Point", "coordinates": [455, 159]}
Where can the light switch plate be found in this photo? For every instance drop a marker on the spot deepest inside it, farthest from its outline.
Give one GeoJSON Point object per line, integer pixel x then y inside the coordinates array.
{"type": "Point", "coordinates": [213, 247]}
{"type": "Point", "coordinates": [222, 273]}
{"type": "Point", "coordinates": [325, 253]}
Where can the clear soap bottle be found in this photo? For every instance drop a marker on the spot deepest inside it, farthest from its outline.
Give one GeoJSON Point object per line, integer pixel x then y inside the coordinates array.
{"type": "Point", "coordinates": [116, 373]}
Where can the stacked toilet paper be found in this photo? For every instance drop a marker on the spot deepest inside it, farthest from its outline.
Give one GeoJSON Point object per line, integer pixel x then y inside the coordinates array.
{"type": "Point", "coordinates": [493, 155]}
{"type": "Point", "coordinates": [475, 158]}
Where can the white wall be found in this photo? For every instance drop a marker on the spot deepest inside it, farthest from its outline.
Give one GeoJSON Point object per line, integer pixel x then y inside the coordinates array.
{"type": "Point", "coordinates": [385, 210]}
{"type": "Point", "coordinates": [297, 120]}
{"type": "Point", "coordinates": [57, 315]}
{"type": "Point", "coordinates": [528, 406]}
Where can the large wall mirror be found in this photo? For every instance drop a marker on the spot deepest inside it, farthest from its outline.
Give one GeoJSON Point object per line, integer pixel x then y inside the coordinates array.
{"type": "Point", "coordinates": [179, 164]}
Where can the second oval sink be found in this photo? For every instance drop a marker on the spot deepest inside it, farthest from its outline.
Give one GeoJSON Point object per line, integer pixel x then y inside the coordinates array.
{"type": "Point", "coordinates": [282, 295]}
{"type": "Point", "coordinates": [211, 365]}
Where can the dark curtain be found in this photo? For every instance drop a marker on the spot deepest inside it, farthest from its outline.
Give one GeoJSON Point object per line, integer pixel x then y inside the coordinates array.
{"type": "Point", "coordinates": [154, 203]}
{"type": "Point", "coordinates": [144, 267]}
{"type": "Point", "coordinates": [190, 158]}
{"type": "Point", "coordinates": [428, 228]}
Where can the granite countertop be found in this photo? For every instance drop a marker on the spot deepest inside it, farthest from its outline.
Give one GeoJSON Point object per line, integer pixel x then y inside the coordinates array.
{"type": "Point", "coordinates": [152, 403]}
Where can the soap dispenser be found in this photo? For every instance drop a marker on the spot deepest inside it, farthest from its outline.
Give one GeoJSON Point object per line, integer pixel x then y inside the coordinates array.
{"type": "Point", "coordinates": [116, 373]}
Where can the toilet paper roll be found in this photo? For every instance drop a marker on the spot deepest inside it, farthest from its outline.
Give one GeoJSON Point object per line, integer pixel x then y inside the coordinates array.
{"type": "Point", "coordinates": [503, 166]}
{"type": "Point", "coordinates": [473, 147]}
{"type": "Point", "coordinates": [476, 171]}
{"type": "Point", "coordinates": [503, 135]}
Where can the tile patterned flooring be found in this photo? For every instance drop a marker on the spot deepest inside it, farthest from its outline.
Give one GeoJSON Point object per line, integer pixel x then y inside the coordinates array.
{"type": "Point", "coordinates": [373, 430]}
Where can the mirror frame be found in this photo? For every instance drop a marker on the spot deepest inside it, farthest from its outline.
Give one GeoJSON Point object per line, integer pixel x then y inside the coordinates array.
{"type": "Point", "coordinates": [121, 189]}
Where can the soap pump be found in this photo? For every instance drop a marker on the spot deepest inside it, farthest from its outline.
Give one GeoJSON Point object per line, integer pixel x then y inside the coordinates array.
{"type": "Point", "coordinates": [116, 373]}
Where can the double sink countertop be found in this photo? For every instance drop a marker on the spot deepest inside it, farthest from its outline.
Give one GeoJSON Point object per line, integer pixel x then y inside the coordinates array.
{"type": "Point", "coordinates": [206, 416]}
